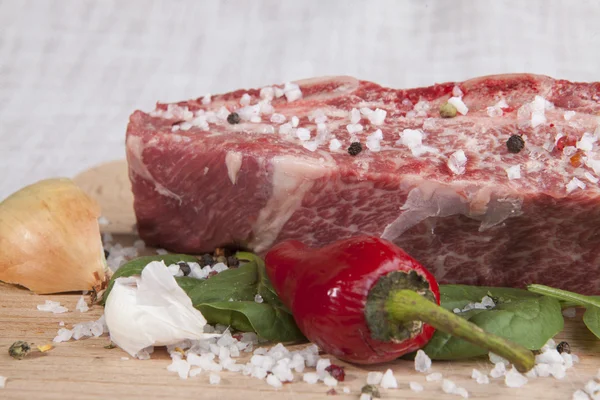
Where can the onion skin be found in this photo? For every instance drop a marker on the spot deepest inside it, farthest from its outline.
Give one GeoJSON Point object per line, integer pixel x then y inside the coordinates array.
{"type": "Point", "coordinates": [50, 239]}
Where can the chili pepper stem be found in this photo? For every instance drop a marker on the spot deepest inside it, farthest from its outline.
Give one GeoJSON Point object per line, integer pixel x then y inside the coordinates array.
{"type": "Point", "coordinates": [572, 298]}
{"type": "Point", "coordinates": [406, 305]}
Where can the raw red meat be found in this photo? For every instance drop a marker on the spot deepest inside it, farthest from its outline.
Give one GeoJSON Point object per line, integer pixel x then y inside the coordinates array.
{"type": "Point", "coordinates": [460, 202]}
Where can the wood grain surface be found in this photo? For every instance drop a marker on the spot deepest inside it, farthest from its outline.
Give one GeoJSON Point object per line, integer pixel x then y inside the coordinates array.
{"type": "Point", "coordinates": [84, 369]}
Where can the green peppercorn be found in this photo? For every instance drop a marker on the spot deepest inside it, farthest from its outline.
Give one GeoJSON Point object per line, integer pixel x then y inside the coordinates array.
{"type": "Point", "coordinates": [447, 110]}
{"type": "Point", "coordinates": [19, 350]}
{"type": "Point", "coordinates": [354, 148]}
{"type": "Point", "coordinates": [515, 143]}
{"type": "Point", "coordinates": [371, 390]}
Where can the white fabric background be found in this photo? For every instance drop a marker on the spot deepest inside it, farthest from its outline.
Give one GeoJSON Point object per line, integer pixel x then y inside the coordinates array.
{"type": "Point", "coordinates": [71, 71]}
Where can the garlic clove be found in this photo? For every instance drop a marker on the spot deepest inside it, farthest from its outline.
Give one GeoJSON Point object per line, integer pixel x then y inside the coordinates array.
{"type": "Point", "coordinates": [151, 310]}
{"type": "Point", "coordinates": [50, 239]}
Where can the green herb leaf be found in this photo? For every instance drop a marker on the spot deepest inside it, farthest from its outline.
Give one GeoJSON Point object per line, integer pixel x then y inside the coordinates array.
{"type": "Point", "coordinates": [520, 316]}
{"type": "Point", "coordinates": [265, 288]}
{"type": "Point", "coordinates": [591, 317]}
{"type": "Point", "coordinates": [271, 323]}
{"type": "Point", "coordinates": [237, 284]}
{"type": "Point", "coordinates": [135, 267]}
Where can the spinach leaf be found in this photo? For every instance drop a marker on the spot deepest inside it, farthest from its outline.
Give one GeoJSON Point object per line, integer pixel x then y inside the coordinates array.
{"type": "Point", "coordinates": [237, 284]}
{"type": "Point", "coordinates": [135, 267]}
{"type": "Point", "coordinates": [265, 288]}
{"type": "Point", "coordinates": [519, 316]}
{"type": "Point", "coordinates": [268, 322]}
{"type": "Point", "coordinates": [591, 317]}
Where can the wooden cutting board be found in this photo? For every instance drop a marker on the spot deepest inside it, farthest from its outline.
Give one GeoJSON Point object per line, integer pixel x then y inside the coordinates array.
{"type": "Point", "coordinates": [86, 370]}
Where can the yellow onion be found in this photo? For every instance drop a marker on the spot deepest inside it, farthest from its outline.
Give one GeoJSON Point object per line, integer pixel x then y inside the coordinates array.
{"type": "Point", "coordinates": [50, 239]}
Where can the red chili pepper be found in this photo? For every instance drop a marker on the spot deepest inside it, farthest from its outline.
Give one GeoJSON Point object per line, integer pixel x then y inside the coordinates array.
{"type": "Point", "coordinates": [366, 301]}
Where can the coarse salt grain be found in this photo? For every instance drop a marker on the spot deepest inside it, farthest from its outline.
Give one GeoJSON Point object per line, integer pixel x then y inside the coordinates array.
{"type": "Point", "coordinates": [82, 305]}
{"type": "Point", "coordinates": [422, 362]}
{"type": "Point", "coordinates": [374, 140]}
{"type": "Point", "coordinates": [590, 177]}
{"type": "Point", "coordinates": [377, 117]}
{"type": "Point", "coordinates": [495, 359]}
{"type": "Point", "coordinates": [365, 396]}
{"type": "Point", "coordinates": [52, 306]}
{"type": "Point", "coordinates": [354, 128]}
{"type": "Point", "coordinates": [274, 381]}
{"type": "Point", "coordinates": [285, 129]}
{"type": "Point", "coordinates": [334, 144]}
{"type": "Point", "coordinates": [457, 162]}
{"type": "Point", "coordinates": [295, 121]}
{"type": "Point", "coordinates": [558, 371]}
{"type": "Point", "coordinates": [303, 134]}
{"type": "Point", "coordinates": [460, 106]}
{"type": "Point", "coordinates": [415, 387]}
{"type": "Point", "coordinates": [514, 379]}
{"type": "Point", "coordinates": [586, 143]}
{"type": "Point", "coordinates": [498, 370]}
{"type": "Point", "coordinates": [64, 335]}
{"type": "Point", "coordinates": [311, 145]}
{"type": "Point", "coordinates": [354, 116]}
{"type": "Point", "coordinates": [574, 184]}
{"type": "Point", "coordinates": [434, 377]}
{"type": "Point", "coordinates": [278, 118]}
{"type": "Point", "coordinates": [448, 386]}
{"type": "Point", "coordinates": [374, 378]}
{"type": "Point", "coordinates": [214, 379]}
{"type": "Point", "coordinates": [513, 172]}
{"type": "Point", "coordinates": [330, 381]}
{"type": "Point", "coordinates": [462, 392]}
{"type": "Point", "coordinates": [346, 389]}
{"type": "Point", "coordinates": [267, 93]}
{"type": "Point", "coordinates": [245, 100]}
{"type": "Point", "coordinates": [480, 377]}
{"type": "Point", "coordinates": [592, 387]}
{"type": "Point", "coordinates": [388, 380]}
{"type": "Point", "coordinates": [3, 380]}
{"type": "Point", "coordinates": [310, 378]}
{"type": "Point", "coordinates": [206, 99]}
{"type": "Point", "coordinates": [292, 92]}
{"type": "Point", "coordinates": [568, 115]}
{"type": "Point", "coordinates": [580, 395]}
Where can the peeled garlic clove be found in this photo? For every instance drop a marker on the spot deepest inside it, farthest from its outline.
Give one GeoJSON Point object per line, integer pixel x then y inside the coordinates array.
{"type": "Point", "coordinates": [50, 239]}
{"type": "Point", "coordinates": [151, 310]}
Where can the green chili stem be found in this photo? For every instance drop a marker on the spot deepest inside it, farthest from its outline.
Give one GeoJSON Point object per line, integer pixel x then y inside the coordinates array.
{"type": "Point", "coordinates": [406, 305]}
{"type": "Point", "coordinates": [578, 299]}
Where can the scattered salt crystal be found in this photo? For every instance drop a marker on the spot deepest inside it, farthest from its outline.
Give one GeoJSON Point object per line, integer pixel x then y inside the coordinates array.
{"type": "Point", "coordinates": [365, 396]}
{"type": "Point", "coordinates": [448, 386]}
{"type": "Point", "coordinates": [292, 92]}
{"type": "Point", "coordinates": [194, 372]}
{"type": "Point", "coordinates": [52, 306]}
{"type": "Point", "coordinates": [575, 359]}
{"type": "Point", "coordinates": [462, 392]}
{"type": "Point", "coordinates": [513, 172]}
{"type": "Point", "coordinates": [322, 364]}
{"type": "Point", "coordinates": [374, 378]}
{"type": "Point", "coordinates": [498, 370]}
{"type": "Point", "coordinates": [311, 145]}
{"type": "Point", "coordinates": [413, 139]}
{"type": "Point", "coordinates": [374, 140]}
{"type": "Point", "coordinates": [558, 371]}
{"type": "Point", "coordinates": [103, 220]}
{"type": "Point", "coordinates": [415, 387]}
{"type": "Point", "coordinates": [531, 373]}
{"type": "Point", "coordinates": [354, 128]}
{"type": "Point", "coordinates": [255, 118]}
{"type": "Point", "coordinates": [310, 378]}
{"type": "Point", "coordinates": [3, 380]}
{"type": "Point", "coordinates": [457, 162]}
{"type": "Point", "coordinates": [278, 92]}
{"type": "Point", "coordinates": [334, 144]}
{"type": "Point", "coordinates": [303, 134]}
{"type": "Point", "coordinates": [377, 117]}
{"type": "Point", "coordinates": [569, 312]}
{"type": "Point", "coordinates": [456, 92]}
{"type": "Point", "coordinates": [480, 377]}
{"type": "Point", "coordinates": [567, 360]}
{"type": "Point", "coordinates": [514, 379]}
{"type": "Point", "coordinates": [591, 387]}
{"type": "Point", "coordinates": [181, 367]}
{"type": "Point", "coordinates": [346, 389]}
{"type": "Point", "coordinates": [139, 244]}
{"type": "Point", "coordinates": [161, 252]}
{"type": "Point", "coordinates": [422, 362]}
{"type": "Point", "coordinates": [206, 99]}
{"type": "Point", "coordinates": [569, 114]}
{"type": "Point", "coordinates": [82, 305]}
{"type": "Point", "coordinates": [330, 381]}
{"type": "Point", "coordinates": [354, 116]}
{"type": "Point", "coordinates": [259, 373]}
{"type": "Point", "coordinates": [61, 323]}
{"type": "Point", "coordinates": [245, 100]}
{"type": "Point", "coordinates": [434, 377]}
{"type": "Point", "coordinates": [495, 358]}
{"type": "Point", "coordinates": [388, 380]}
{"type": "Point", "coordinates": [63, 335]}
{"type": "Point", "coordinates": [542, 370]}
{"type": "Point", "coordinates": [124, 358]}
{"type": "Point", "coordinates": [224, 353]}
{"type": "Point", "coordinates": [580, 395]}
{"type": "Point", "coordinates": [273, 381]}
{"type": "Point", "coordinates": [278, 118]}
{"type": "Point", "coordinates": [460, 106]}
{"type": "Point", "coordinates": [586, 143]}
{"type": "Point", "coordinates": [574, 184]}
{"type": "Point", "coordinates": [214, 379]}
{"type": "Point", "coordinates": [219, 267]}
{"type": "Point", "coordinates": [267, 93]}
{"type": "Point", "coordinates": [175, 270]}
{"type": "Point", "coordinates": [494, 111]}
{"type": "Point", "coordinates": [223, 113]}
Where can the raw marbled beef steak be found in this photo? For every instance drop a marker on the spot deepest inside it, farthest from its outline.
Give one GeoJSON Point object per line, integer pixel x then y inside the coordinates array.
{"type": "Point", "coordinates": [429, 168]}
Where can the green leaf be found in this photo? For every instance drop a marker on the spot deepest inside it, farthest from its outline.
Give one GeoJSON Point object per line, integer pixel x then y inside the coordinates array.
{"type": "Point", "coordinates": [238, 284]}
{"type": "Point", "coordinates": [135, 267]}
{"type": "Point", "coordinates": [519, 316]}
{"type": "Point", "coordinates": [591, 318]}
{"type": "Point", "coordinates": [265, 288]}
{"type": "Point", "coordinates": [271, 323]}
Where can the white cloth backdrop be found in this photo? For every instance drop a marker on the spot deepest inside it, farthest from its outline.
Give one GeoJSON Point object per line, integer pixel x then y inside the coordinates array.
{"type": "Point", "coordinates": [71, 71]}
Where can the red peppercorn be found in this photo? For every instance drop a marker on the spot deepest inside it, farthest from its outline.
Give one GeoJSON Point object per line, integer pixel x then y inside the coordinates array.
{"type": "Point", "coordinates": [337, 372]}
{"type": "Point", "coordinates": [364, 300]}
{"type": "Point", "coordinates": [565, 141]}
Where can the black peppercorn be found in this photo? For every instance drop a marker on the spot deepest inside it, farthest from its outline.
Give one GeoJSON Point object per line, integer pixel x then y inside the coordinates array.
{"type": "Point", "coordinates": [232, 261]}
{"type": "Point", "coordinates": [563, 347]}
{"type": "Point", "coordinates": [106, 253]}
{"type": "Point", "coordinates": [184, 267]}
{"type": "Point", "coordinates": [515, 143]}
{"type": "Point", "coordinates": [354, 148]}
{"type": "Point", "coordinates": [207, 259]}
{"type": "Point", "coordinates": [233, 118]}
